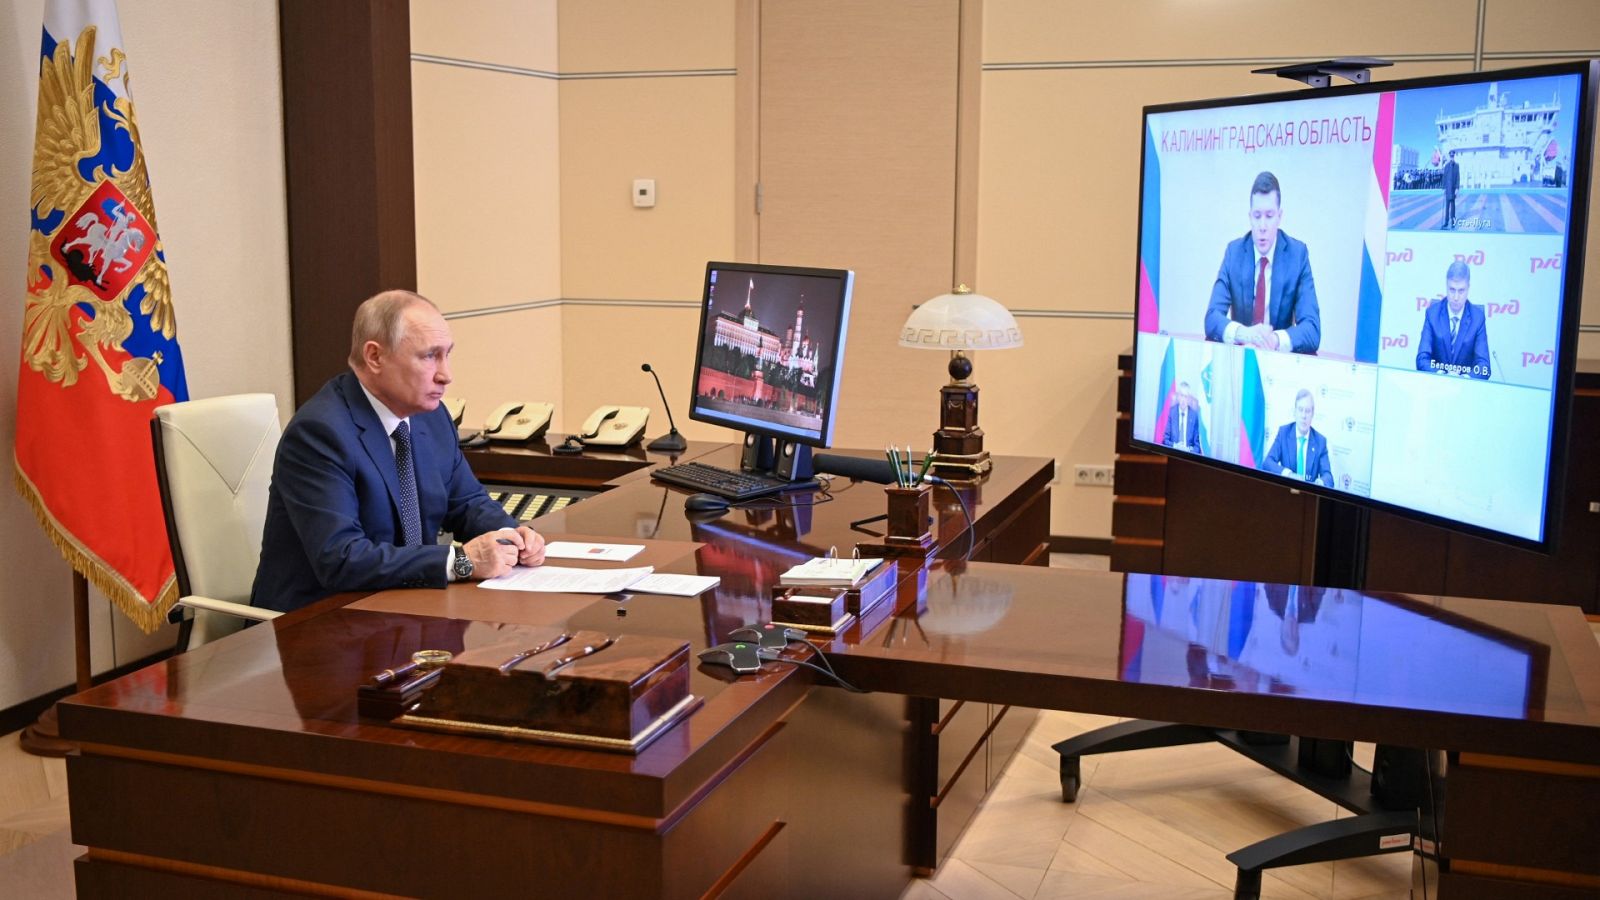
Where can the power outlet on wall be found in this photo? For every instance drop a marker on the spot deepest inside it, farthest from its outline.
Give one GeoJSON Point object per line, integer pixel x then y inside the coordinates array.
{"type": "Point", "coordinates": [1092, 476]}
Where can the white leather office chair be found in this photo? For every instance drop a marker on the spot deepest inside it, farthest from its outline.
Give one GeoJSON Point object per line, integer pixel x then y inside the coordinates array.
{"type": "Point", "coordinates": [214, 464]}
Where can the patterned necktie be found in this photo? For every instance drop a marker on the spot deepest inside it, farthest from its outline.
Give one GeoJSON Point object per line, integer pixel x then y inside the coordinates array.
{"type": "Point", "coordinates": [1455, 322]}
{"type": "Point", "coordinates": [410, 512]}
{"type": "Point", "coordinates": [1261, 294]}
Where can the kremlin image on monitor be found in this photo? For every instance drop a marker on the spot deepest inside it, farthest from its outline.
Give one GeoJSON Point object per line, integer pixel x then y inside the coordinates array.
{"type": "Point", "coordinates": [768, 351]}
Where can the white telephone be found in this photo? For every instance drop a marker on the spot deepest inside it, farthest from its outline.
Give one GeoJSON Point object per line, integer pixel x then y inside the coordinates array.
{"type": "Point", "coordinates": [518, 421]}
{"type": "Point", "coordinates": [614, 426]}
{"type": "Point", "coordinates": [456, 407]}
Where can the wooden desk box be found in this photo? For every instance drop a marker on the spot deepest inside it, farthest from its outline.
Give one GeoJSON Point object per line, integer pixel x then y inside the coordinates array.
{"type": "Point", "coordinates": [620, 698]}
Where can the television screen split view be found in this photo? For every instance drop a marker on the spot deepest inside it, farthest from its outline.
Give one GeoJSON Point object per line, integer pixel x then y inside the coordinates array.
{"type": "Point", "coordinates": [1369, 292]}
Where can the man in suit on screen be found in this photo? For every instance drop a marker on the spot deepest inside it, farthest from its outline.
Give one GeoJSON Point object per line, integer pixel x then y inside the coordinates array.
{"type": "Point", "coordinates": [1264, 295]}
{"type": "Point", "coordinates": [1183, 425]}
{"type": "Point", "coordinates": [1452, 184]}
{"type": "Point", "coordinates": [1455, 336]}
{"type": "Point", "coordinates": [1300, 451]}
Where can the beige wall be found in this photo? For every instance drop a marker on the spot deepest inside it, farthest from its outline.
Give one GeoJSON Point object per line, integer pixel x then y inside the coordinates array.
{"type": "Point", "coordinates": [654, 120]}
{"type": "Point", "coordinates": [205, 82]}
{"type": "Point", "coordinates": [531, 122]}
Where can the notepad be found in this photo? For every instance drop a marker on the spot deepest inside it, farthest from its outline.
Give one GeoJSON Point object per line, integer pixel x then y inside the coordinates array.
{"type": "Point", "coordinates": [827, 571]}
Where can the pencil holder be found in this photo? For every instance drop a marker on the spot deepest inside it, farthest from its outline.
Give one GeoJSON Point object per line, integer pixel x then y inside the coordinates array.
{"type": "Point", "coordinates": [908, 517]}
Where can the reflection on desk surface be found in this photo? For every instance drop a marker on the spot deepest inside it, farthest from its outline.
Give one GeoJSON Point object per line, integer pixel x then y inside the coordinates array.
{"type": "Point", "coordinates": [1080, 640]}
{"type": "Point", "coordinates": [1326, 644]}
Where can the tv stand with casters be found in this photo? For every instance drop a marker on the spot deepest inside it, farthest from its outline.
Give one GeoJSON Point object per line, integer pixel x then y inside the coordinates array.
{"type": "Point", "coordinates": [1323, 766]}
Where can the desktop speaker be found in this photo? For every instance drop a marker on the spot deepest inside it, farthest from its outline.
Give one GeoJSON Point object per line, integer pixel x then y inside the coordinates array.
{"type": "Point", "coordinates": [793, 461]}
{"type": "Point", "coordinates": [757, 456]}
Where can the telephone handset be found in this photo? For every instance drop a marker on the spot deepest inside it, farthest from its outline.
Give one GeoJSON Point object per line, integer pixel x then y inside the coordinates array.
{"type": "Point", "coordinates": [516, 421]}
{"type": "Point", "coordinates": [457, 408]}
{"type": "Point", "coordinates": [614, 426]}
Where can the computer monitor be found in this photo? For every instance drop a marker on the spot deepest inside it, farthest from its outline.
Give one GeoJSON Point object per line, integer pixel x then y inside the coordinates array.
{"type": "Point", "coordinates": [1406, 341]}
{"type": "Point", "coordinates": [771, 347]}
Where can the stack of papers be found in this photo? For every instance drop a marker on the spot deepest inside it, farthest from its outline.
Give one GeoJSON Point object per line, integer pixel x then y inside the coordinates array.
{"type": "Point", "coordinates": [604, 552]}
{"type": "Point", "coordinates": [828, 571]}
{"type": "Point", "coordinates": [563, 580]}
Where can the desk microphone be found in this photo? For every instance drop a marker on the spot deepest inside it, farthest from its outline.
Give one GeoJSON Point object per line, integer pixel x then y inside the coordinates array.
{"type": "Point", "coordinates": [672, 441]}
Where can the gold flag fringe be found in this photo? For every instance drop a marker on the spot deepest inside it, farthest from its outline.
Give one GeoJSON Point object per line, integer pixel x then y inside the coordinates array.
{"type": "Point", "coordinates": [147, 615]}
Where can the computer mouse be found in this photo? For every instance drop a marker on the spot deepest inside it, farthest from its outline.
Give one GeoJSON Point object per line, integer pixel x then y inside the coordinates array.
{"type": "Point", "coordinates": [702, 502]}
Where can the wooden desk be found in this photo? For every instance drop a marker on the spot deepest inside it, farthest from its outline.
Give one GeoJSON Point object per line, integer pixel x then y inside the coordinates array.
{"type": "Point", "coordinates": [245, 761]}
{"type": "Point", "coordinates": [250, 754]}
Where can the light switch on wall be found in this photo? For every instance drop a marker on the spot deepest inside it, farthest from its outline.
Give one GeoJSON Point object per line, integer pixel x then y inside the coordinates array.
{"type": "Point", "coordinates": [644, 192]}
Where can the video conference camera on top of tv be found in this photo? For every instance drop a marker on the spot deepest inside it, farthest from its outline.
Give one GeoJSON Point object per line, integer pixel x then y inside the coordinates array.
{"type": "Point", "coordinates": [1354, 69]}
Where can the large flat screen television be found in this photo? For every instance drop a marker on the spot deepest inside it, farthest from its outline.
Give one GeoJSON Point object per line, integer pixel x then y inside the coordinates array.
{"type": "Point", "coordinates": [1371, 292]}
{"type": "Point", "coordinates": [770, 349]}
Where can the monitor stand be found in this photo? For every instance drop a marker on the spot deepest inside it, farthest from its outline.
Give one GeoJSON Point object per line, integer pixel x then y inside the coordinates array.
{"type": "Point", "coordinates": [778, 458]}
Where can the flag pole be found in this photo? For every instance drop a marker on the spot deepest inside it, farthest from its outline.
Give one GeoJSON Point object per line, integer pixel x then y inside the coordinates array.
{"type": "Point", "coordinates": [43, 738]}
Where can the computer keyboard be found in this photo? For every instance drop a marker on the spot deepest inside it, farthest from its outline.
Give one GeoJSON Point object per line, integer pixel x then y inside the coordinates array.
{"type": "Point", "coordinates": [722, 482]}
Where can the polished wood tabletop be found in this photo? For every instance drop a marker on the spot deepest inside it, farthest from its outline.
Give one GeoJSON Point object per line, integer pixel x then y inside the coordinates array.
{"type": "Point", "coordinates": [1451, 673]}
{"type": "Point", "coordinates": [1340, 663]}
{"type": "Point", "coordinates": [283, 694]}
{"type": "Point", "coordinates": [746, 783]}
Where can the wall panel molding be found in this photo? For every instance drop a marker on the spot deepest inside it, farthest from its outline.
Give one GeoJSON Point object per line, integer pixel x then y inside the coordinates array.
{"type": "Point", "coordinates": [502, 68]}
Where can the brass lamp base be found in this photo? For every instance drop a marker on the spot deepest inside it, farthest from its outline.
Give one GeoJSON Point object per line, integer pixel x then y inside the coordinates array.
{"type": "Point", "coordinates": [958, 467]}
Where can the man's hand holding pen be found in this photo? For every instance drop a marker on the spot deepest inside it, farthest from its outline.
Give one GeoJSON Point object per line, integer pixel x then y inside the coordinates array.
{"type": "Point", "coordinates": [531, 553]}
{"type": "Point", "coordinates": [494, 553]}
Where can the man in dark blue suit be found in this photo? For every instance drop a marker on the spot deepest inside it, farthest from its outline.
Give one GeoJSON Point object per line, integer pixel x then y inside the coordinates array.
{"type": "Point", "coordinates": [1452, 184]}
{"type": "Point", "coordinates": [1455, 336]}
{"type": "Point", "coordinates": [1300, 451]}
{"type": "Point", "coordinates": [368, 472]}
{"type": "Point", "coordinates": [1264, 295]}
{"type": "Point", "coordinates": [1183, 425]}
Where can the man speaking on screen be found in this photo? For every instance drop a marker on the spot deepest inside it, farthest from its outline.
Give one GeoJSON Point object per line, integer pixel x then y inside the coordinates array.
{"type": "Point", "coordinates": [1455, 337]}
{"type": "Point", "coordinates": [1264, 295]}
{"type": "Point", "coordinates": [1183, 425]}
{"type": "Point", "coordinates": [1300, 451]}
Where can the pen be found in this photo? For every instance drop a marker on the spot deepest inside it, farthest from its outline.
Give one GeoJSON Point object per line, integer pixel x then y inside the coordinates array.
{"type": "Point", "coordinates": [894, 462]}
{"type": "Point", "coordinates": [505, 541]}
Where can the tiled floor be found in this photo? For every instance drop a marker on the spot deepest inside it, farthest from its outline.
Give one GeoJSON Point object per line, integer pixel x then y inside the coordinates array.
{"type": "Point", "coordinates": [37, 848]}
{"type": "Point", "coordinates": [1149, 824]}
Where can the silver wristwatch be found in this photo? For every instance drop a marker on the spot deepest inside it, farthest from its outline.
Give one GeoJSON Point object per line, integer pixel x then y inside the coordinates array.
{"type": "Point", "coordinates": [462, 566]}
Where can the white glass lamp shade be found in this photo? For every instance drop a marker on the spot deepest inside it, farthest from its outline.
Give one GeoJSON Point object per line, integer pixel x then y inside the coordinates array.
{"type": "Point", "coordinates": [961, 320]}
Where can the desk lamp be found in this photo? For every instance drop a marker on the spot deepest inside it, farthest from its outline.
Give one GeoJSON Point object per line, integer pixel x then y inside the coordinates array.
{"type": "Point", "coordinates": [957, 322]}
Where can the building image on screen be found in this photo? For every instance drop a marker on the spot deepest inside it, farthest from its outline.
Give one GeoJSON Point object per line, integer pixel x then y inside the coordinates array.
{"type": "Point", "coordinates": [1371, 291]}
{"type": "Point", "coordinates": [771, 339]}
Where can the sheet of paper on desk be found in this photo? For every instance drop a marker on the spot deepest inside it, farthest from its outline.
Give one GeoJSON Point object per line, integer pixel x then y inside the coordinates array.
{"type": "Point", "coordinates": [674, 585]}
{"type": "Point", "coordinates": [560, 580]}
{"type": "Point", "coordinates": [581, 550]}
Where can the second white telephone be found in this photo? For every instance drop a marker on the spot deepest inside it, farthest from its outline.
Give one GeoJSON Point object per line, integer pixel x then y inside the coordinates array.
{"type": "Point", "coordinates": [516, 421]}
{"type": "Point", "coordinates": [614, 426]}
